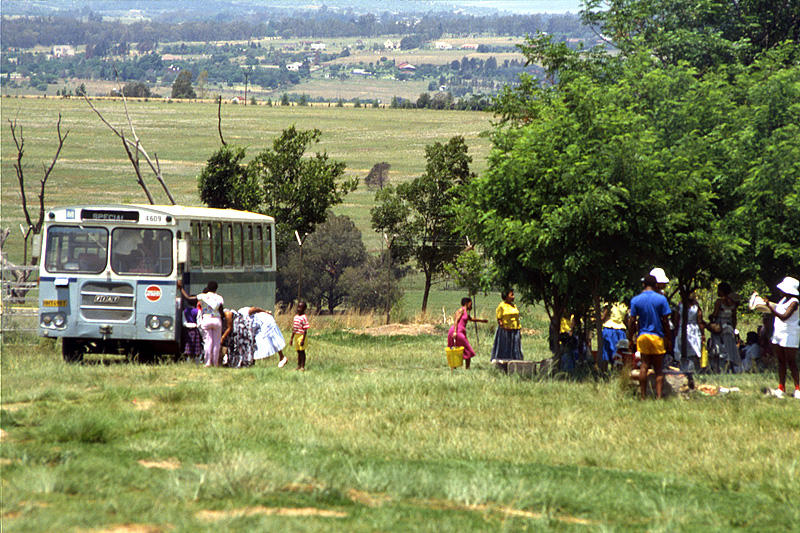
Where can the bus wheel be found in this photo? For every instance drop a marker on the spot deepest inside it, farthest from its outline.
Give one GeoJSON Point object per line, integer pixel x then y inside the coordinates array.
{"type": "Point", "coordinates": [141, 353]}
{"type": "Point", "coordinates": [72, 350]}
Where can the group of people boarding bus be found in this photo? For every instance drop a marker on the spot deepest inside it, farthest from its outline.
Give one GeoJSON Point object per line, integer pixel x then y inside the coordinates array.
{"type": "Point", "coordinates": [236, 338]}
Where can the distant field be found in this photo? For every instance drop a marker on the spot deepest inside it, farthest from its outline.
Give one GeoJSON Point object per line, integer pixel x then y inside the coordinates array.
{"type": "Point", "coordinates": [419, 57]}
{"type": "Point", "coordinates": [355, 88]}
{"type": "Point", "coordinates": [93, 167]}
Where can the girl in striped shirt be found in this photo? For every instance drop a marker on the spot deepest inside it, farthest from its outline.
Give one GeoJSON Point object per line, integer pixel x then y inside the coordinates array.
{"type": "Point", "coordinates": [299, 333]}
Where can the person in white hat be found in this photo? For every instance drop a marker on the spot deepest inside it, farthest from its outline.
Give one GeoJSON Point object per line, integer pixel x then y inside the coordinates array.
{"type": "Point", "coordinates": [786, 334]}
{"type": "Point", "coordinates": [661, 278]}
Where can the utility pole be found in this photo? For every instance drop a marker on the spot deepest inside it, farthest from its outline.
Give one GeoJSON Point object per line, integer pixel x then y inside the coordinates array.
{"type": "Point", "coordinates": [246, 78]}
{"type": "Point", "coordinates": [300, 244]}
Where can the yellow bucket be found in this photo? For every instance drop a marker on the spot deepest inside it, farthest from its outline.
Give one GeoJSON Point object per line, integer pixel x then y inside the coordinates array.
{"type": "Point", "coordinates": [455, 356]}
{"type": "Point", "coordinates": [704, 357]}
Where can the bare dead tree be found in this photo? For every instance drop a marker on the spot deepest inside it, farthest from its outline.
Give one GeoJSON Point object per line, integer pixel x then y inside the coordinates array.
{"type": "Point", "coordinates": [219, 120]}
{"type": "Point", "coordinates": [32, 227]}
{"type": "Point", "coordinates": [137, 148]}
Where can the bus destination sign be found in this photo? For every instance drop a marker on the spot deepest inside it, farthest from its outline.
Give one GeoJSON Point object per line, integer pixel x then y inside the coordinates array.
{"type": "Point", "coordinates": [110, 215]}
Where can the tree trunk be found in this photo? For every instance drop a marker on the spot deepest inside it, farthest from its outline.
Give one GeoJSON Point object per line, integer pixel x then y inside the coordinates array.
{"type": "Point", "coordinates": [428, 279]}
{"type": "Point", "coordinates": [475, 307]}
{"type": "Point", "coordinates": [684, 291]}
{"type": "Point", "coordinates": [598, 325]}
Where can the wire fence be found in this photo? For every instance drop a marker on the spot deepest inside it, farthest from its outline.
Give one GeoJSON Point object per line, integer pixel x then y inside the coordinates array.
{"type": "Point", "coordinates": [19, 300]}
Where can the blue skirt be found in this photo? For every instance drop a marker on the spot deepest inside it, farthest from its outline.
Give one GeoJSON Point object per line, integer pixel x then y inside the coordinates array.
{"type": "Point", "coordinates": [611, 337]}
{"type": "Point", "coordinates": [507, 344]}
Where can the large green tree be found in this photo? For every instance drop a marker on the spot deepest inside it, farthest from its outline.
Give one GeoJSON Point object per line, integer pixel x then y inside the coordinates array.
{"type": "Point", "coordinates": [622, 164]}
{"type": "Point", "coordinates": [419, 215]}
{"type": "Point", "coordinates": [704, 33]}
{"type": "Point", "coordinates": [298, 189]}
{"type": "Point", "coordinates": [225, 181]}
{"type": "Point", "coordinates": [182, 86]}
{"type": "Point", "coordinates": [334, 247]}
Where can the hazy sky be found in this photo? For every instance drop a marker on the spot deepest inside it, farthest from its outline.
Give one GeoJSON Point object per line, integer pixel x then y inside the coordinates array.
{"type": "Point", "coordinates": [528, 6]}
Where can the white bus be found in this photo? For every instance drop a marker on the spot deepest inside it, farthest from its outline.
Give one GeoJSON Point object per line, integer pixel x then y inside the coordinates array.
{"type": "Point", "coordinates": [108, 273]}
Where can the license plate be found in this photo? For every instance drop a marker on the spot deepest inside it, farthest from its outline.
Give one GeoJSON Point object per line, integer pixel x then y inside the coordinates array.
{"type": "Point", "coordinates": [54, 303]}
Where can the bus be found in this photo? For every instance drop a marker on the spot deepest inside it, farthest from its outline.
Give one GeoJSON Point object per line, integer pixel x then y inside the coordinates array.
{"type": "Point", "coordinates": [108, 273]}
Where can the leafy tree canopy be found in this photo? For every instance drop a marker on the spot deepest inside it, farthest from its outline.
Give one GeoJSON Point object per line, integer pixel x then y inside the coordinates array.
{"type": "Point", "coordinates": [419, 215]}
{"type": "Point", "coordinates": [182, 86]}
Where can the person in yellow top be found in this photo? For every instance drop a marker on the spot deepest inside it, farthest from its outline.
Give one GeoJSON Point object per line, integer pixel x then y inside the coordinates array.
{"type": "Point", "coordinates": [507, 338]}
{"type": "Point", "coordinates": [615, 325]}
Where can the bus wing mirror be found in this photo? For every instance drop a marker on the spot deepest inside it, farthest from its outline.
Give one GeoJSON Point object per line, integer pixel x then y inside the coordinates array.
{"type": "Point", "coordinates": [183, 251]}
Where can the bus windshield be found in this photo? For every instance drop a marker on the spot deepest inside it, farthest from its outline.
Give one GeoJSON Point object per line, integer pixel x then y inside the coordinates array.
{"type": "Point", "coordinates": [76, 249]}
{"type": "Point", "coordinates": [141, 251]}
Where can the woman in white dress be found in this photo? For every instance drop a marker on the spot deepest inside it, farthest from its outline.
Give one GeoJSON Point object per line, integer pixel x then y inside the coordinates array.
{"type": "Point", "coordinates": [694, 336]}
{"type": "Point", "coordinates": [268, 336]}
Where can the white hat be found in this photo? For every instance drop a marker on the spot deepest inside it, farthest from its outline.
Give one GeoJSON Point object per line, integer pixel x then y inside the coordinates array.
{"type": "Point", "coordinates": [789, 285]}
{"type": "Point", "coordinates": [659, 274]}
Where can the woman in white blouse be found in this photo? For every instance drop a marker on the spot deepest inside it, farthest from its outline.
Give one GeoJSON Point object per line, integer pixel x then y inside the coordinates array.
{"type": "Point", "coordinates": [209, 320]}
{"type": "Point", "coordinates": [786, 333]}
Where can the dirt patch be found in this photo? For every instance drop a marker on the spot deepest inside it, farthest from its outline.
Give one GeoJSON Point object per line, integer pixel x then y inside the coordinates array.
{"type": "Point", "coordinates": [169, 464]}
{"type": "Point", "coordinates": [5, 461]}
{"type": "Point", "coordinates": [398, 329]}
{"type": "Point", "coordinates": [365, 498]}
{"type": "Point", "coordinates": [142, 405]}
{"type": "Point", "coordinates": [3, 435]}
{"type": "Point", "coordinates": [301, 487]}
{"type": "Point", "coordinates": [11, 407]}
{"type": "Point", "coordinates": [273, 511]}
{"type": "Point", "coordinates": [129, 528]}
{"type": "Point", "coordinates": [508, 511]}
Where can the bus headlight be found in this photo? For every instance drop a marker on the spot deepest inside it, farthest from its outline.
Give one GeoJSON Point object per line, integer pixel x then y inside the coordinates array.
{"type": "Point", "coordinates": [46, 320]}
{"type": "Point", "coordinates": [166, 323]}
{"type": "Point", "coordinates": [59, 320]}
{"type": "Point", "coordinates": [153, 322]}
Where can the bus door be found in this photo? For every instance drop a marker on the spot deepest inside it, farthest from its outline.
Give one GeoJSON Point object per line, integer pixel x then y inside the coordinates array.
{"type": "Point", "coordinates": [146, 257]}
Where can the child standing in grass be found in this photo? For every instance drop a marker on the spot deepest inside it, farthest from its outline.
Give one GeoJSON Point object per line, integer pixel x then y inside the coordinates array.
{"type": "Point", "coordinates": [299, 334]}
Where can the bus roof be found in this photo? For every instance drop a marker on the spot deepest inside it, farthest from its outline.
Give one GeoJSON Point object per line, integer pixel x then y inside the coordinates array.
{"type": "Point", "coordinates": [176, 211]}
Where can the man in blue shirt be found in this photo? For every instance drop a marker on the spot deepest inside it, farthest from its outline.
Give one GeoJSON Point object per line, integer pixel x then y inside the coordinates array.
{"type": "Point", "coordinates": [650, 328]}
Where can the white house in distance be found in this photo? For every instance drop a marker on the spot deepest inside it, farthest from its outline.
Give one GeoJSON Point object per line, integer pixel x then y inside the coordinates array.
{"type": "Point", "coordinates": [318, 47]}
{"type": "Point", "coordinates": [469, 46]}
{"type": "Point", "coordinates": [442, 45]}
{"type": "Point", "coordinates": [294, 67]}
{"type": "Point", "coordinates": [63, 50]}
{"type": "Point", "coordinates": [406, 67]}
{"type": "Point", "coordinates": [391, 45]}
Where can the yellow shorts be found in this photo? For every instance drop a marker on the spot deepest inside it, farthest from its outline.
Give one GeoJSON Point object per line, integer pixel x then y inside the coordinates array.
{"type": "Point", "coordinates": [649, 344]}
{"type": "Point", "coordinates": [297, 345]}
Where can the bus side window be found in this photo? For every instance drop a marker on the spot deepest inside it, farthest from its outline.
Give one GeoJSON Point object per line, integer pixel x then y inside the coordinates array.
{"type": "Point", "coordinates": [207, 252]}
{"type": "Point", "coordinates": [227, 244]}
{"type": "Point", "coordinates": [195, 245]}
{"type": "Point", "coordinates": [258, 246]}
{"type": "Point", "coordinates": [237, 244]}
{"type": "Point", "coordinates": [248, 245]}
{"type": "Point", "coordinates": [217, 243]}
{"type": "Point", "coordinates": [268, 246]}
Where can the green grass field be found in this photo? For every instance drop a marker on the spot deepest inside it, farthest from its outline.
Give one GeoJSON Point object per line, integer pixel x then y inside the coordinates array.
{"type": "Point", "coordinates": [379, 435]}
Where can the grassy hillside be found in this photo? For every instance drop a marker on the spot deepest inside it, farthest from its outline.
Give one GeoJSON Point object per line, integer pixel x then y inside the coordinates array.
{"type": "Point", "coordinates": [93, 167]}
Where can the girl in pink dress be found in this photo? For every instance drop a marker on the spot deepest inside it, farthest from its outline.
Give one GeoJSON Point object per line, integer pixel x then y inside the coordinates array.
{"type": "Point", "coordinates": [457, 336]}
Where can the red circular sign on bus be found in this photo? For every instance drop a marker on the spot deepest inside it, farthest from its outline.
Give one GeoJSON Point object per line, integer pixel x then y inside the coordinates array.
{"type": "Point", "coordinates": [153, 293]}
